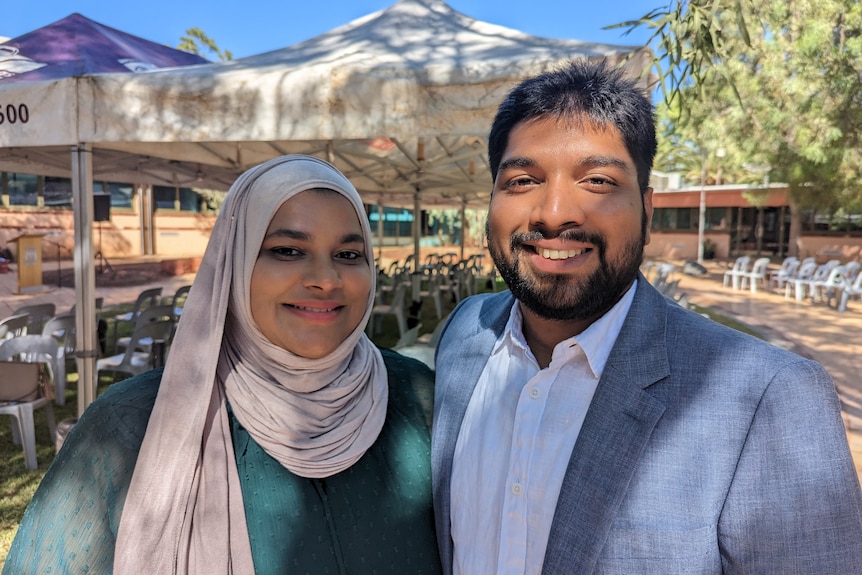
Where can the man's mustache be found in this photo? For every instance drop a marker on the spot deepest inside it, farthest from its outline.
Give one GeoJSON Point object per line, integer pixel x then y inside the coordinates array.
{"type": "Point", "coordinates": [570, 234]}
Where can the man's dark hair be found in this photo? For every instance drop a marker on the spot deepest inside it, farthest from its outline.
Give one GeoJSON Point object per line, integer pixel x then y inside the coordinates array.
{"type": "Point", "coordinates": [592, 89]}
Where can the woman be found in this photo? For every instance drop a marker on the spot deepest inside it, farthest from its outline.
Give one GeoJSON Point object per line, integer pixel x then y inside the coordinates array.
{"type": "Point", "coordinates": [275, 442]}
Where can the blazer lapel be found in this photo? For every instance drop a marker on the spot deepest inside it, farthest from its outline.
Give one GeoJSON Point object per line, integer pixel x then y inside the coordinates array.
{"type": "Point", "coordinates": [615, 432]}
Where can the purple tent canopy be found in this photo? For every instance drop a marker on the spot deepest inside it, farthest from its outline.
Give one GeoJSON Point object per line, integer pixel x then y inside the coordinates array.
{"type": "Point", "coordinates": [76, 46]}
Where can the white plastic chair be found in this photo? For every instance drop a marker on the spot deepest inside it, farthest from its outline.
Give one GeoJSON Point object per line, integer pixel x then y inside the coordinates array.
{"type": "Point", "coordinates": [145, 299]}
{"type": "Point", "coordinates": [162, 312]}
{"type": "Point", "coordinates": [395, 307]}
{"type": "Point", "coordinates": [788, 269]}
{"type": "Point", "coordinates": [30, 349]}
{"type": "Point", "coordinates": [34, 348]}
{"type": "Point", "coordinates": [797, 283]}
{"type": "Point", "coordinates": [827, 289]}
{"type": "Point", "coordinates": [854, 290]}
{"type": "Point", "coordinates": [14, 325]}
{"type": "Point", "coordinates": [756, 276]}
{"type": "Point", "coordinates": [178, 301]}
{"type": "Point", "coordinates": [735, 274]}
{"type": "Point", "coordinates": [134, 361]}
{"type": "Point", "coordinates": [39, 313]}
{"type": "Point", "coordinates": [409, 337]}
{"type": "Point", "coordinates": [817, 277]}
{"type": "Point", "coordinates": [62, 328]}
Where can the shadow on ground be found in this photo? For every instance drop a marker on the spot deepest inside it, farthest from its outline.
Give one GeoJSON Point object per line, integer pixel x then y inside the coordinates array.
{"type": "Point", "coordinates": [109, 275]}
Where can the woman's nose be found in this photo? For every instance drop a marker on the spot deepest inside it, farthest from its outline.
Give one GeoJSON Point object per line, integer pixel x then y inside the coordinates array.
{"type": "Point", "coordinates": [322, 275]}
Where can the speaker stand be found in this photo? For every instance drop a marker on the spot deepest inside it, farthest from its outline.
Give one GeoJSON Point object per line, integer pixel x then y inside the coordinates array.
{"type": "Point", "coordinates": [103, 261]}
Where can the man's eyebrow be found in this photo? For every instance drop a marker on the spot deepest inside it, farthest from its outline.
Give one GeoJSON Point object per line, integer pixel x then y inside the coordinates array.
{"type": "Point", "coordinates": [517, 162]}
{"type": "Point", "coordinates": [599, 161]}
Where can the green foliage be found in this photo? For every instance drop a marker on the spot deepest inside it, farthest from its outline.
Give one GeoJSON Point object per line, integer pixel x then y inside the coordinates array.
{"type": "Point", "coordinates": [774, 83]}
{"type": "Point", "coordinates": [197, 42]}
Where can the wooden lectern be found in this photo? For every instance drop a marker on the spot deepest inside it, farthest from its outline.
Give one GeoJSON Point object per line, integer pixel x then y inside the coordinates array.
{"type": "Point", "coordinates": [29, 262]}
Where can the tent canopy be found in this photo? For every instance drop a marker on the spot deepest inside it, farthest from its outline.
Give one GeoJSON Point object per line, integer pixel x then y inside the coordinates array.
{"type": "Point", "coordinates": [75, 45]}
{"type": "Point", "coordinates": [400, 100]}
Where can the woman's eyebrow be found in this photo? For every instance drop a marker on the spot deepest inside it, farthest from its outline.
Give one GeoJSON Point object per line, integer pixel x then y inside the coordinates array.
{"type": "Point", "coordinates": [349, 238]}
{"type": "Point", "coordinates": [289, 233]}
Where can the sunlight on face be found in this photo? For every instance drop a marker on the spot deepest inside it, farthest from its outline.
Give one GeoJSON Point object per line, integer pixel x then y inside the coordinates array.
{"type": "Point", "coordinates": [311, 282]}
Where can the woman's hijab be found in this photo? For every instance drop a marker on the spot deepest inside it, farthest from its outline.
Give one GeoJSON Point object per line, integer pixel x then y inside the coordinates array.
{"type": "Point", "coordinates": [184, 511]}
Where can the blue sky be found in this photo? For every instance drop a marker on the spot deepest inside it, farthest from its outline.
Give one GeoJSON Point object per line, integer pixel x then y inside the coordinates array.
{"type": "Point", "coordinates": [249, 27]}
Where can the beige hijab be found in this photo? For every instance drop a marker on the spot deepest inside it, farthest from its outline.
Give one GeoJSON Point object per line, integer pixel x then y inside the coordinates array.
{"type": "Point", "coordinates": [184, 511]}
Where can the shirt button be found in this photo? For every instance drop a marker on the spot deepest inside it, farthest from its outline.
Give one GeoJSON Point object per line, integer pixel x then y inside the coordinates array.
{"type": "Point", "coordinates": [516, 489]}
{"type": "Point", "coordinates": [534, 393]}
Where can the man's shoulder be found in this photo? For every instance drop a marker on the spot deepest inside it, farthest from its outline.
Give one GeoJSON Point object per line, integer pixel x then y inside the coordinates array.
{"type": "Point", "coordinates": [488, 306]}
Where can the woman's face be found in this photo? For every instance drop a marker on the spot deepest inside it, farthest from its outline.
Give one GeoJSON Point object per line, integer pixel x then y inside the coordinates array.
{"type": "Point", "coordinates": [311, 282]}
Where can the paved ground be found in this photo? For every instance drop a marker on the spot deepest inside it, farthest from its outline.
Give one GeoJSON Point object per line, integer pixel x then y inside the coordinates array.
{"type": "Point", "coordinates": [811, 329]}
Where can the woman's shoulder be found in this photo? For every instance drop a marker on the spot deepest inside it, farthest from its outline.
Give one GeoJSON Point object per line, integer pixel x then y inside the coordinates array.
{"type": "Point", "coordinates": [411, 384]}
{"type": "Point", "coordinates": [124, 409]}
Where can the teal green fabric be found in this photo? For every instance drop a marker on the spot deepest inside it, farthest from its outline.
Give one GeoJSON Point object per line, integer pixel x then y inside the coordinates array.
{"type": "Point", "coordinates": [375, 517]}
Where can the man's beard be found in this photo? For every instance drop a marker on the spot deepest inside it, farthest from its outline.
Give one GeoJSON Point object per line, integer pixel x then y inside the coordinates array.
{"type": "Point", "coordinates": [560, 297]}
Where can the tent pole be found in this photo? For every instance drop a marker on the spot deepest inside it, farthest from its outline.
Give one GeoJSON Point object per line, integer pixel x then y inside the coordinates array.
{"type": "Point", "coordinates": [463, 225]}
{"type": "Point", "coordinates": [85, 275]}
{"type": "Point", "coordinates": [417, 229]}
{"type": "Point", "coordinates": [380, 232]}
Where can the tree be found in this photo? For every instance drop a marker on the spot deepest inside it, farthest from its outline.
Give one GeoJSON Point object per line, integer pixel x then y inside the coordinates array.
{"type": "Point", "coordinates": [777, 81]}
{"type": "Point", "coordinates": [196, 41]}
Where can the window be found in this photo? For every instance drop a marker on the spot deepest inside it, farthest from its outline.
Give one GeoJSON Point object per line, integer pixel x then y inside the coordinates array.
{"type": "Point", "coordinates": [23, 190]}
{"type": "Point", "coordinates": [688, 219]}
{"type": "Point", "coordinates": [170, 198]}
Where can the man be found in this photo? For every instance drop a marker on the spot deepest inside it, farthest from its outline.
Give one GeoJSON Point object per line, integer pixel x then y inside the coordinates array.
{"type": "Point", "coordinates": [586, 424]}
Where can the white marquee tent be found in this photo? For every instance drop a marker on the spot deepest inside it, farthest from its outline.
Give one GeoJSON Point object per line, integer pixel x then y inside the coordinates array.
{"type": "Point", "coordinates": [400, 100]}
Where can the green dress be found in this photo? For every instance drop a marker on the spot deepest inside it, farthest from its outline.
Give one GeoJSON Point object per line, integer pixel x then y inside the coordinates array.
{"type": "Point", "coordinates": [374, 517]}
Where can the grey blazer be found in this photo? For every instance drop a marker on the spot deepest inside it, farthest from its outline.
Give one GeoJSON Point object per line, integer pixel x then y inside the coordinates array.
{"type": "Point", "coordinates": [704, 450]}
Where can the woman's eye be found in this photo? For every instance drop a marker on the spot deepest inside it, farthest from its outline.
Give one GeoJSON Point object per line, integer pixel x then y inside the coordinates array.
{"type": "Point", "coordinates": [349, 255]}
{"type": "Point", "coordinates": [284, 251]}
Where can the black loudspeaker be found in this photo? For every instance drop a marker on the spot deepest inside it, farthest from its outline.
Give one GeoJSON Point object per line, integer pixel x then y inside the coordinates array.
{"type": "Point", "coordinates": [101, 207]}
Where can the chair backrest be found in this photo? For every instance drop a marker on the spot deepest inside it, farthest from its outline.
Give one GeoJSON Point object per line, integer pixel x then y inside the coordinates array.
{"type": "Point", "coordinates": [178, 301]}
{"type": "Point", "coordinates": [148, 297]}
{"type": "Point", "coordinates": [759, 267]}
{"type": "Point", "coordinates": [14, 325]}
{"type": "Point", "coordinates": [39, 313]}
{"type": "Point", "coordinates": [822, 271]}
{"type": "Point", "coordinates": [160, 312]}
{"type": "Point", "coordinates": [790, 262]}
{"type": "Point", "coordinates": [32, 348]}
{"type": "Point", "coordinates": [409, 337]}
{"type": "Point", "coordinates": [789, 270]}
{"type": "Point", "coordinates": [806, 270]}
{"type": "Point", "coordinates": [153, 331]}
{"type": "Point", "coordinates": [851, 270]}
{"type": "Point", "coordinates": [62, 328]}
{"type": "Point", "coordinates": [398, 296]}
{"type": "Point", "coordinates": [741, 263]}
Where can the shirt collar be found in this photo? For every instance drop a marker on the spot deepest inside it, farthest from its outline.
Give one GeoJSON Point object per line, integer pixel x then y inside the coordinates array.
{"type": "Point", "coordinates": [596, 341]}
